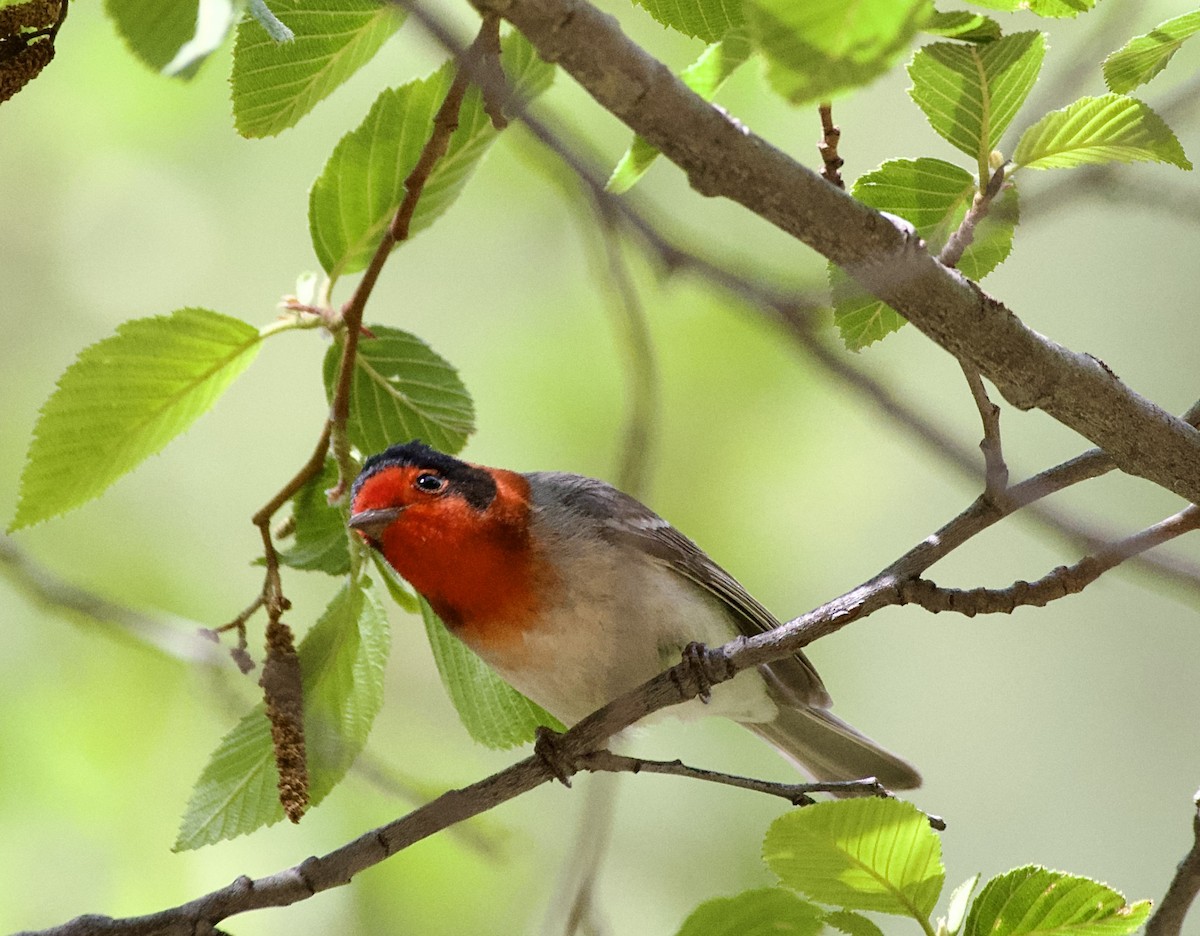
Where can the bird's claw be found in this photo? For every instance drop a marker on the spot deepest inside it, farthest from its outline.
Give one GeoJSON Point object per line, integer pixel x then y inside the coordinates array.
{"type": "Point", "coordinates": [549, 750]}
{"type": "Point", "coordinates": [695, 660]}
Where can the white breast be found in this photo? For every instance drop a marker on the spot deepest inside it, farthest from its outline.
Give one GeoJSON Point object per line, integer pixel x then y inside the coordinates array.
{"type": "Point", "coordinates": [624, 619]}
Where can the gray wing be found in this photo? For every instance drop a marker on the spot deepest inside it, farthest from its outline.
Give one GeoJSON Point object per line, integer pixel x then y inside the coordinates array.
{"type": "Point", "coordinates": [628, 522]}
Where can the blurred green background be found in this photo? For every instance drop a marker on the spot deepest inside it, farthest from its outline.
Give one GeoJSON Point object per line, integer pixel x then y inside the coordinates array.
{"type": "Point", "coordinates": [1065, 736]}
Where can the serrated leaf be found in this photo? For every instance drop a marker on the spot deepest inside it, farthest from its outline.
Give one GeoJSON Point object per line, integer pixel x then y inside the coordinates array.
{"type": "Point", "coordinates": [971, 93]}
{"type": "Point", "coordinates": [1143, 57]}
{"type": "Point", "coordinates": [492, 711]}
{"type": "Point", "coordinates": [933, 196]}
{"type": "Point", "coordinates": [342, 660]}
{"type": "Point", "coordinates": [962, 25]}
{"type": "Point", "coordinates": [859, 854]}
{"type": "Point", "coordinates": [362, 184]}
{"type": "Point", "coordinates": [960, 901]}
{"type": "Point", "coordinates": [123, 400]}
{"type": "Point", "coordinates": [851, 923]}
{"type": "Point", "coordinates": [763, 912]}
{"type": "Point", "coordinates": [319, 540]}
{"type": "Point", "coordinates": [154, 30]}
{"type": "Point", "coordinates": [815, 50]}
{"type": "Point", "coordinates": [704, 76]}
{"type": "Point", "coordinates": [1035, 900]}
{"type": "Point", "coordinates": [275, 84]}
{"type": "Point", "coordinates": [702, 19]}
{"type": "Point", "coordinates": [402, 390]}
{"type": "Point", "coordinates": [1111, 128]}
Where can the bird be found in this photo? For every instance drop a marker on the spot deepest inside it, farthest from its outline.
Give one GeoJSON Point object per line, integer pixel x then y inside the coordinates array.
{"type": "Point", "coordinates": [575, 593]}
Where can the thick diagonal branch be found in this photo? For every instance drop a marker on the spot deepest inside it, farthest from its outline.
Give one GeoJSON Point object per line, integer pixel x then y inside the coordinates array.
{"type": "Point", "coordinates": [724, 158]}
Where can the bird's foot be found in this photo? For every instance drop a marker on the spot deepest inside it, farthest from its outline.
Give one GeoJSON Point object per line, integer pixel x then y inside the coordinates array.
{"type": "Point", "coordinates": [547, 745]}
{"type": "Point", "coordinates": [698, 664]}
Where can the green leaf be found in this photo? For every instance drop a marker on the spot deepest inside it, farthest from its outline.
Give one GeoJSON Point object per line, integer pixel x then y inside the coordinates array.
{"type": "Point", "coordinates": [319, 542]}
{"type": "Point", "coordinates": [124, 399]}
{"type": "Point", "coordinates": [492, 711]}
{"type": "Point", "coordinates": [962, 25]}
{"type": "Point", "coordinates": [342, 660]}
{"type": "Point", "coordinates": [396, 586]}
{"type": "Point", "coordinates": [851, 923]}
{"type": "Point", "coordinates": [402, 390]}
{"type": "Point", "coordinates": [814, 50]}
{"type": "Point", "coordinates": [1111, 128]}
{"type": "Point", "coordinates": [971, 93]}
{"type": "Point", "coordinates": [1143, 57]}
{"type": "Point", "coordinates": [275, 84]}
{"type": "Point", "coordinates": [1046, 8]}
{"type": "Point", "coordinates": [154, 30]}
{"type": "Point", "coordinates": [1033, 900]}
{"type": "Point", "coordinates": [933, 196]}
{"type": "Point", "coordinates": [362, 184]}
{"type": "Point", "coordinates": [764, 912]}
{"type": "Point", "coordinates": [859, 854]}
{"type": "Point", "coordinates": [704, 76]}
{"type": "Point", "coordinates": [1059, 9]}
{"type": "Point", "coordinates": [702, 19]}
{"type": "Point", "coordinates": [960, 900]}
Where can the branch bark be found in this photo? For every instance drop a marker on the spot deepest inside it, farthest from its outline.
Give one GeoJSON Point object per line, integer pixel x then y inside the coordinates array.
{"type": "Point", "coordinates": [723, 158]}
{"type": "Point", "coordinates": [1183, 890]}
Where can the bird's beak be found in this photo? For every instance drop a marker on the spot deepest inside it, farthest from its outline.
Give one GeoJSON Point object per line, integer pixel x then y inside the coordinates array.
{"type": "Point", "coordinates": [372, 523]}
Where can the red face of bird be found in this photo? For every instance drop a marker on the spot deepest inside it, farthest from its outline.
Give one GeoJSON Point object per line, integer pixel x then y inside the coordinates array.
{"type": "Point", "coordinates": [409, 485]}
{"type": "Point", "coordinates": [457, 532]}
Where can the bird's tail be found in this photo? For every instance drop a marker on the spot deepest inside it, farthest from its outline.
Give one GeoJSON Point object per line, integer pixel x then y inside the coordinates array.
{"type": "Point", "coordinates": [830, 749]}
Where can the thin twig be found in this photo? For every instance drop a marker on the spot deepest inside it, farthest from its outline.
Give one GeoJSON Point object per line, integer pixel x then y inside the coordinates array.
{"type": "Point", "coordinates": [995, 469]}
{"type": "Point", "coordinates": [964, 236]}
{"type": "Point", "coordinates": [445, 122]}
{"type": "Point", "coordinates": [641, 422]}
{"type": "Point", "coordinates": [1183, 889]}
{"type": "Point", "coordinates": [798, 794]}
{"type": "Point", "coordinates": [272, 594]}
{"type": "Point", "coordinates": [52, 591]}
{"type": "Point", "coordinates": [828, 147]}
{"type": "Point", "coordinates": [1062, 581]}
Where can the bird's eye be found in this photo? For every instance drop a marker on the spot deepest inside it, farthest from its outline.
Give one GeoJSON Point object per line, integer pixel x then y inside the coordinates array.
{"type": "Point", "coordinates": [430, 483]}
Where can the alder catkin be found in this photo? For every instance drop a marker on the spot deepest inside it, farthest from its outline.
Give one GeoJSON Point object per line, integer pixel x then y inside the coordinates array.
{"type": "Point", "coordinates": [36, 14]}
{"type": "Point", "coordinates": [284, 696]}
{"type": "Point", "coordinates": [20, 68]}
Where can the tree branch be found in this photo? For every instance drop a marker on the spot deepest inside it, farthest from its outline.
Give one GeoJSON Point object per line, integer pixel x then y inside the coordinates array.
{"type": "Point", "coordinates": [1183, 889]}
{"type": "Point", "coordinates": [1063, 581]}
{"type": "Point", "coordinates": [724, 158]}
{"type": "Point", "coordinates": [795, 793]}
{"type": "Point", "coordinates": [995, 469]}
{"type": "Point", "coordinates": [50, 590]}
